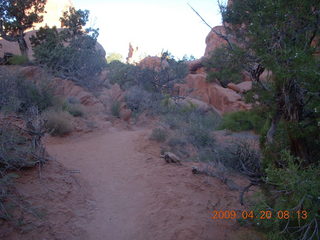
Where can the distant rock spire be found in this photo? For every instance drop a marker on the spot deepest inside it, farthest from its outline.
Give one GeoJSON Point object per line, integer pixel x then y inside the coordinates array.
{"type": "Point", "coordinates": [132, 54]}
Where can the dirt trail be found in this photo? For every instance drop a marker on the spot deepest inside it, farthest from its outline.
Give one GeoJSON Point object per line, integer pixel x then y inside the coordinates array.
{"type": "Point", "coordinates": [136, 195]}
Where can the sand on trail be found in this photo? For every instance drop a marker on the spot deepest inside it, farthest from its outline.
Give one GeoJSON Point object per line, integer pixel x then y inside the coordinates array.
{"type": "Point", "coordinates": [136, 195]}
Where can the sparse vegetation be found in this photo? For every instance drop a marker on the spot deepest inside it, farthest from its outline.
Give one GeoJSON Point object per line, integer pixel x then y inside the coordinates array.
{"type": "Point", "coordinates": [18, 94]}
{"type": "Point", "coordinates": [18, 60]}
{"type": "Point", "coordinates": [58, 123]}
{"type": "Point", "coordinates": [159, 135]}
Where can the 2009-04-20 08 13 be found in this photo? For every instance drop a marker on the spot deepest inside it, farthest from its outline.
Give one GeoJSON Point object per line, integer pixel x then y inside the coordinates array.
{"type": "Point", "coordinates": [263, 214]}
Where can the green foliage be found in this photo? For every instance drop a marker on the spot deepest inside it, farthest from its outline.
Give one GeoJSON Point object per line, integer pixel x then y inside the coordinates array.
{"type": "Point", "coordinates": [18, 60]}
{"type": "Point", "coordinates": [282, 37]}
{"type": "Point", "coordinates": [225, 66]}
{"type": "Point", "coordinates": [16, 16]}
{"type": "Point", "coordinates": [127, 76]}
{"type": "Point", "coordinates": [298, 189]}
{"type": "Point", "coordinates": [114, 57]}
{"type": "Point", "coordinates": [115, 109]}
{"type": "Point", "coordinates": [78, 60]}
{"type": "Point", "coordinates": [244, 121]}
{"type": "Point", "coordinates": [159, 135]}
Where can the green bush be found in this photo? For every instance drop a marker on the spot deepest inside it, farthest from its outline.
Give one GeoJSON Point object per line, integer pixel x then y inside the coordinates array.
{"type": "Point", "coordinates": [58, 123]}
{"type": "Point", "coordinates": [115, 109]}
{"type": "Point", "coordinates": [127, 76]}
{"type": "Point", "coordinates": [159, 135]}
{"type": "Point", "coordinates": [244, 121]}
{"type": "Point", "coordinates": [298, 189]}
{"type": "Point", "coordinates": [18, 60]}
{"type": "Point", "coordinates": [79, 60]}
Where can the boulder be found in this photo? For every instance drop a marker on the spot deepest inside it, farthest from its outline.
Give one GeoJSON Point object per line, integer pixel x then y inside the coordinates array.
{"type": "Point", "coordinates": [195, 65]}
{"type": "Point", "coordinates": [244, 86]}
{"type": "Point", "coordinates": [188, 101]}
{"type": "Point", "coordinates": [62, 87]}
{"type": "Point", "coordinates": [234, 87]}
{"type": "Point", "coordinates": [213, 41]}
{"type": "Point", "coordinates": [154, 63]}
{"type": "Point", "coordinates": [240, 87]}
{"type": "Point", "coordinates": [223, 99]}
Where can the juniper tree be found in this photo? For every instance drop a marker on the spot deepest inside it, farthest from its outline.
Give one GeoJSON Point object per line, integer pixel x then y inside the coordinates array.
{"type": "Point", "coordinates": [16, 17]}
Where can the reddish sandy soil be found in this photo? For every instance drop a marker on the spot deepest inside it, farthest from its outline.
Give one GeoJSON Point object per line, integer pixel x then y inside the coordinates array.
{"type": "Point", "coordinates": [113, 185]}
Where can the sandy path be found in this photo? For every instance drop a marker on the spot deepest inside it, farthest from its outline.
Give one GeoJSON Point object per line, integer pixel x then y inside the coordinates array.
{"type": "Point", "coordinates": [138, 196]}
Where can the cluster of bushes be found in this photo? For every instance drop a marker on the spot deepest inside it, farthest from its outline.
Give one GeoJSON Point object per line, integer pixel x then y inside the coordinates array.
{"type": "Point", "coordinates": [252, 120]}
{"type": "Point", "coordinates": [151, 80]}
{"type": "Point", "coordinates": [70, 53]}
{"type": "Point", "coordinates": [187, 131]}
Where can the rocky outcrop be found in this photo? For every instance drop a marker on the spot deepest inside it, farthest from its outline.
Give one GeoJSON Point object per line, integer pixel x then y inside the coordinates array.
{"type": "Point", "coordinates": [64, 88]}
{"type": "Point", "coordinates": [223, 99]}
{"type": "Point", "coordinates": [213, 41]}
{"type": "Point", "coordinates": [192, 102]}
{"type": "Point", "coordinates": [53, 11]}
{"type": "Point", "coordinates": [240, 87]}
{"type": "Point", "coordinates": [132, 54]}
{"type": "Point", "coordinates": [154, 63]}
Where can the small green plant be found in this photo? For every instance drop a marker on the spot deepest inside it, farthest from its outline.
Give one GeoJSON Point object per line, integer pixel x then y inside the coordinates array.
{"type": "Point", "coordinates": [115, 109]}
{"type": "Point", "coordinates": [159, 135]}
{"type": "Point", "coordinates": [244, 121]}
{"type": "Point", "coordinates": [18, 60]}
{"type": "Point", "coordinates": [58, 122]}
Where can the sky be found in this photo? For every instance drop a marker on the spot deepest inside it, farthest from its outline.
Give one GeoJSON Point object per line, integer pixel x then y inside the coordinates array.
{"type": "Point", "coordinates": [152, 25]}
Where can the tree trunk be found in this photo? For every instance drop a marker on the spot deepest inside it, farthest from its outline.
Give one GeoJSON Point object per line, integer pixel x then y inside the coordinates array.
{"type": "Point", "coordinates": [23, 45]}
{"type": "Point", "coordinates": [273, 128]}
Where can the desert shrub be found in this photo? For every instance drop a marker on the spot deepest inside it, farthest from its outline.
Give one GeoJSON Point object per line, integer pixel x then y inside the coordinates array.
{"type": "Point", "coordinates": [244, 121]}
{"type": "Point", "coordinates": [18, 60]}
{"type": "Point", "coordinates": [75, 110]}
{"type": "Point", "coordinates": [139, 100]}
{"type": "Point", "coordinates": [115, 109]}
{"type": "Point", "coordinates": [58, 122]}
{"type": "Point", "coordinates": [18, 94]}
{"type": "Point", "coordinates": [177, 141]}
{"type": "Point", "coordinates": [191, 127]}
{"type": "Point", "coordinates": [199, 135]}
{"type": "Point", "coordinates": [151, 80]}
{"type": "Point", "coordinates": [20, 148]}
{"type": "Point", "coordinates": [16, 149]}
{"type": "Point", "coordinates": [159, 135]}
{"type": "Point", "coordinates": [298, 189]}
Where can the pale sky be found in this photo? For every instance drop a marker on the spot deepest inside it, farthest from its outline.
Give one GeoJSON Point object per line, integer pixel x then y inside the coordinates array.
{"type": "Point", "coordinates": [152, 25]}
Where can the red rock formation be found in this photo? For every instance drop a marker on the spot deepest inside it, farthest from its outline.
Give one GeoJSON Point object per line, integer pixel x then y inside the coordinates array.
{"type": "Point", "coordinates": [64, 88]}
{"type": "Point", "coordinates": [223, 99]}
{"type": "Point", "coordinates": [132, 54]}
{"type": "Point", "coordinates": [153, 63]}
{"type": "Point", "coordinates": [213, 41]}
